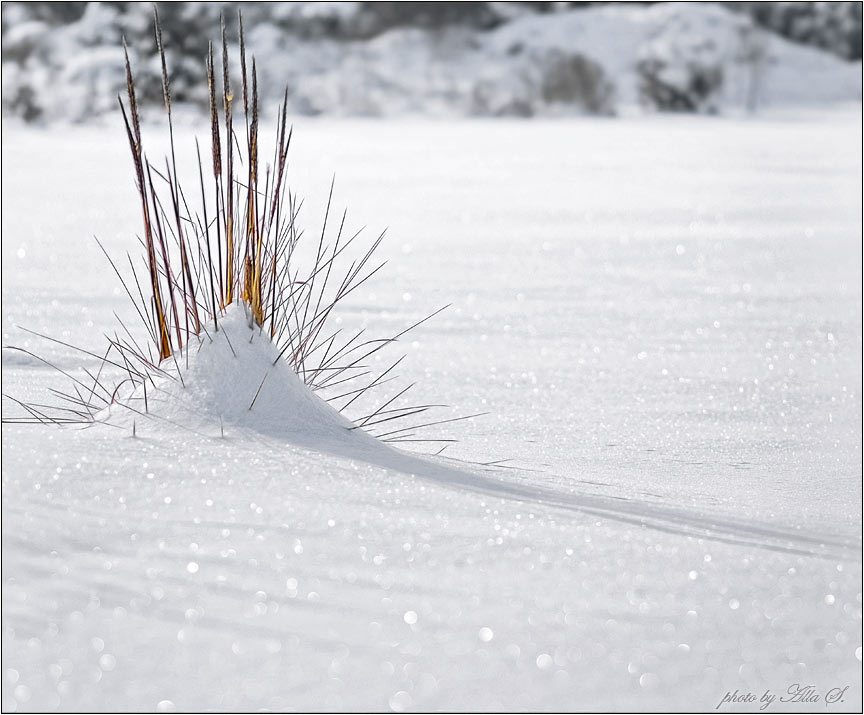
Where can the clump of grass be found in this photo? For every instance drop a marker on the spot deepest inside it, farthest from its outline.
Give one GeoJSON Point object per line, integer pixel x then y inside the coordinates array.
{"type": "Point", "coordinates": [240, 245]}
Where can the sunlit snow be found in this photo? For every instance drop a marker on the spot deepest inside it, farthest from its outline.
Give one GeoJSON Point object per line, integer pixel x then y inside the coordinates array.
{"type": "Point", "coordinates": [662, 318]}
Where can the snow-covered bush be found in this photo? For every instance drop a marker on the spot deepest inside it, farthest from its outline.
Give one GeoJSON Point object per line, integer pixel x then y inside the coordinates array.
{"type": "Point", "coordinates": [540, 81]}
{"type": "Point", "coordinates": [70, 70]}
{"type": "Point", "coordinates": [493, 98]}
{"type": "Point", "coordinates": [573, 79]}
{"type": "Point", "coordinates": [681, 71]}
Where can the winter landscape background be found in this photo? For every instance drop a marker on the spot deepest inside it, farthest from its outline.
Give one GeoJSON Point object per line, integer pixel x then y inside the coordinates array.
{"type": "Point", "coordinates": [63, 60]}
{"type": "Point", "coordinates": [656, 295]}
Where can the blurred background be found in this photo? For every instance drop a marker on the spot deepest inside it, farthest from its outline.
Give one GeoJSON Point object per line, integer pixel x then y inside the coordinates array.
{"type": "Point", "coordinates": [63, 61]}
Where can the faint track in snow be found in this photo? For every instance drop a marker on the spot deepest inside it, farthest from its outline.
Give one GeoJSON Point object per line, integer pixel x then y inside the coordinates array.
{"type": "Point", "coordinates": [669, 519]}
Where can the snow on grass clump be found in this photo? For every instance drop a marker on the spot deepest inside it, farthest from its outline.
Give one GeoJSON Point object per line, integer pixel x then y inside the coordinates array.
{"type": "Point", "coordinates": [235, 378]}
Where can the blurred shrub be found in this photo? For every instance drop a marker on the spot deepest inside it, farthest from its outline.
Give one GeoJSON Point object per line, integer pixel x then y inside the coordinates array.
{"type": "Point", "coordinates": [574, 79]}
{"type": "Point", "coordinates": [681, 70]}
{"type": "Point", "coordinates": [542, 82]}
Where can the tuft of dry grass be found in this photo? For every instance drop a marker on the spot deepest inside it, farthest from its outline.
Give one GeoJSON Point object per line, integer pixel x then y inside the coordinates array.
{"type": "Point", "coordinates": [239, 245]}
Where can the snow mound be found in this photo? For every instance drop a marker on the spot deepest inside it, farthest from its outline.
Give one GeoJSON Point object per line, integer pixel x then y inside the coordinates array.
{"type": "Point", "coordinates": [232, 377]}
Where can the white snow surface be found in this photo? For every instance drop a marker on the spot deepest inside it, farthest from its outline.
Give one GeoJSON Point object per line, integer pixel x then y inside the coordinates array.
{"type": "Point", "coordinates": [663, 318]}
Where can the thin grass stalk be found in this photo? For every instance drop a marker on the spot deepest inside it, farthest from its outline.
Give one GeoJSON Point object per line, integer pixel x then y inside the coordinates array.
{"type": "Point", "coordinates": [166, 94]}
{"type": "Point", "coordinates": [134, 135]}
{"type": "Point", "coordinates": [228, 205]}
{"type": "Point", "coordinates": [213, 293]}
{"type": "Point", "coordinates": [165, 260]}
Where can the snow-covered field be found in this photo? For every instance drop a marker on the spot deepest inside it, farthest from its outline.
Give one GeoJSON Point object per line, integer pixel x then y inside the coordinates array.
{"type": "Point", "coordinates": [662, 317]}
